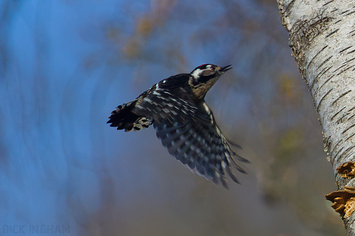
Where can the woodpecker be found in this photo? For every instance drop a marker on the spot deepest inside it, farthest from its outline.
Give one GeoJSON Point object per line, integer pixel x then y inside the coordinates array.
{"type": "Point", "coordinates": [184, 122]}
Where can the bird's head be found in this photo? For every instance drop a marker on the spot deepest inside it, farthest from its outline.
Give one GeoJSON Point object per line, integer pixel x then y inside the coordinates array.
{"type": "Point", "coordinates": [203, 77]}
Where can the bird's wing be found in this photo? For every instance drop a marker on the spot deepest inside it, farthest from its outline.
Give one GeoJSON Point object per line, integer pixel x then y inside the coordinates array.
{"type": "Point", "coordinates": [201, 146]}
{"type": "Point", "coordinates": [191, 135]}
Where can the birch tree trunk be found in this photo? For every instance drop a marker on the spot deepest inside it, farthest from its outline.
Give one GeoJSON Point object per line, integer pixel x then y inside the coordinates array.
{"type": "Point", "coordinates": [322, 39]}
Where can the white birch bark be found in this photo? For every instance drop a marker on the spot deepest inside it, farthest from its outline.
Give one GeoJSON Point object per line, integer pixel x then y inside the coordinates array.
{"type": "Point", "coordinates": [322, 39]}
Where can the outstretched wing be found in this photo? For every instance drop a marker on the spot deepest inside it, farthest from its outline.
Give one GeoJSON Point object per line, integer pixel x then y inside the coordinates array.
{"type": "Point", "coordinates": [190, 134]}
{"type": "Point", "coordinates": [201, 146]}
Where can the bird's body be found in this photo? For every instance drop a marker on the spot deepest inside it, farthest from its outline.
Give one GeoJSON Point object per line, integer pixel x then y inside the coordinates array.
{"type": "Point", "coordinates": [183, 121]}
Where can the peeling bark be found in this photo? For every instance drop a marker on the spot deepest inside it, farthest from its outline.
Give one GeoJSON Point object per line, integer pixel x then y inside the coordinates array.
{"type": "Point", "coordinates": [322, 39]}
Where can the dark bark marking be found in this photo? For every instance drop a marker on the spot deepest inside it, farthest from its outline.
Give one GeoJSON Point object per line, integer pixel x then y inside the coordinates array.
{"type": "Point", "coordinates": [321, 100]}
{"type": "Point", "coordinates": [349, 137]}
{"type": "Point", "coordinates": [328, 3]}
{"type": "Point", "coordinates": [342, 95]}
{"type": "Point", "coordinates": [339, 67]}
{"type": "Point", "coordinates": [336, 145]}
{"type": "Point", "coordinates": [316, 55]}
{"type": "Point", "coordinates": [326, 81]}
{"type": "Point", "coordinates": [349, 60]}
{"type": "Point", "coordinates": [284, 10]}
{"type": "Point", "coordinates": [349, 67]}
{"type": "Point", "coordinates": [347, 113]}
{"type": "Point", "coordinates": [322, 72]}
{"type": "Point", "coordinates": [347, 150]}
{"type": "Point", "coordinates": [352, 116]}
{"type": "Point", "coordinates": [336, 157]}
{"type": "Point", "coordinates": [331, 33]}
{"type": "Point", "coordinates": [351, 109]}
{"type": "Point", "coordinates": [334, 10]}
{"type": "Point", "coordinates": [341, 51]}
{"type": "Point", "coordinates": [352, 12]}
{"type": "Point", "coordinates": [352, 50]}
{"type": "Point", "coordinates": [325, 61]}
{"type": "Point", "coordinates": [347, 129]}
{"type": "Point", "coordinates": [337, 113]}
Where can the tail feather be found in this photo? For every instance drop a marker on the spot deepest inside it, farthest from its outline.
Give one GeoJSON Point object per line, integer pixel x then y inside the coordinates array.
{"type": "Point", "coordinates": [124, 118]}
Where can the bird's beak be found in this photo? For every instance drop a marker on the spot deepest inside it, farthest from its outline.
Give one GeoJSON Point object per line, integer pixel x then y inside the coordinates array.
{"type": "Point", "coordinates": [225, 69]}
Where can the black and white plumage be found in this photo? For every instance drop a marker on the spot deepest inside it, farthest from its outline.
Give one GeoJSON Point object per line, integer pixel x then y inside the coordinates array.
{"type": "Point", "coordinates": [183, 122]}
